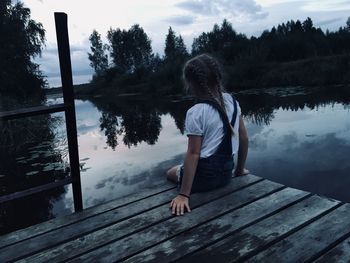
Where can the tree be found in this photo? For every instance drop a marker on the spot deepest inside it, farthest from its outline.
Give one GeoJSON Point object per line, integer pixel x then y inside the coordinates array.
{"type": "Point", "coordinates": [181, 47]}
{"type": "Point", "coordinates": [308, 25]}
{"type": "Point", "coordinates": [131, 50]}
{"type": "Point", "coordinates": [98, 58]}
{"type": "Point", "coordinates": [175, 47]}
{"type": "Point", "coordinates": [222, 41]}
{"type": "Point", "coordinates": [21, 40]}
{"type": "Point", "coordinates": [141, 50]}
{"type": "Point", "coordinates": [120, 51]}
{"type": "Point", "coordinates": [175, 54]}
{"type": "Point", "coordinates": [219, 38]}
{"type": "Point", "coordinates": [170, 45]}
{"type": "Point", "coordinates": [200, 44]}
{"type": "Point", "coordinates": [348, 25]}
{"type": "Point", "coordinates": [156, 63]}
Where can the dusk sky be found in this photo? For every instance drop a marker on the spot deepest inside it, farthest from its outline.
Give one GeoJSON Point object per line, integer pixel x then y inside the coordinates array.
{"type": "Point", "coordinates": [189, 18]}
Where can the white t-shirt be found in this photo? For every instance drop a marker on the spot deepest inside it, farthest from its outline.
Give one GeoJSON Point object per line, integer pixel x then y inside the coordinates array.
{"type": "Point", "coordinates": [204, 120]}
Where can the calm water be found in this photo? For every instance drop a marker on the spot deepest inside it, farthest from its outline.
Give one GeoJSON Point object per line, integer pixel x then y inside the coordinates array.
{"type": "Point", "coordinates": [298, 137]}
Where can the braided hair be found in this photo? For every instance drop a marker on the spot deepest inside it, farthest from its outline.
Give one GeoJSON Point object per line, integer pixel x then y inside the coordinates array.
{"type": "Point", "coordinates": [203, 75]}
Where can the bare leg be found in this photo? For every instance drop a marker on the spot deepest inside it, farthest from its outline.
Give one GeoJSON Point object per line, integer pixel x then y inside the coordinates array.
{"type": "Point", "coordinates": [171, 174]}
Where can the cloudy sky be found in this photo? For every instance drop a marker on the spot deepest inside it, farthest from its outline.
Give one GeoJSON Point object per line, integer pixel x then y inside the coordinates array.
{"type": "Point", "coordinates": [187, 17]}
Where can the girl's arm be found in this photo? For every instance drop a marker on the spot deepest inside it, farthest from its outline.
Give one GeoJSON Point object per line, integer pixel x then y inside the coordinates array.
{"type": "Point", "coordinates": [242, 149]}
{"type": "Point", "coordinates": [190, 165]}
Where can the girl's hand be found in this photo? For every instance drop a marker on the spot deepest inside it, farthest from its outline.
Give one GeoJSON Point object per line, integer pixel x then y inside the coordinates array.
{"type": "Point", "coordinates": [241, 172]}
{"type": "Point", "coordinates": [178, 205]}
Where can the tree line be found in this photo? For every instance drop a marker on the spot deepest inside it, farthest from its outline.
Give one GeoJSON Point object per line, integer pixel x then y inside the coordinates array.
{"type": "Point", "coordinates": [132, 59]}
{"type": "Point", "coordinates": [246, 60]}
{"type": "Point", "coordinates": [127, 62]}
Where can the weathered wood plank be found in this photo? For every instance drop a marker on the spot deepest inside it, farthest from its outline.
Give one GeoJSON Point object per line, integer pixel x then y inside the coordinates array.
{"type": "Point", "coordinates": [311, 240]}
{"type": "Point", "coordinates": [69, 232]}
{"type": "Point", "coordinates": [88, 225]}
{"type": "Point", "coordinates": [180, 245]}
{"type": "Point", "coordinates": [32, 111]}
{"type": "Point", "coordinates": [59, 222]}
{"type": "Point", "coordinates": [249, 241]}
{"type": "Point", "coordinates": [34, 190]}
{"type": "Point", "coordinates": [339, 254]}
{"type": "Point", "coordinates": [126, 247]}
{"type": "Point", "coordinates": [133, 224]}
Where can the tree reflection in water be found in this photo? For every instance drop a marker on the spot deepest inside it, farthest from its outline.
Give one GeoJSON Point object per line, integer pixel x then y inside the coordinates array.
{"type": "Point", "coordinates": [139, 120]}
{"type": "Point", "coordinates": [259, 106]}
{"type": "Point", "coordinates": [126, 120]}
{"type": "Point", "coordinates": [136, 125]}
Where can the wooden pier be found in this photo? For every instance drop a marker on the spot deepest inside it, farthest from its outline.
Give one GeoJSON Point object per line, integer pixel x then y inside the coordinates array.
{"type": "Point", "coordinates": [252, 219]}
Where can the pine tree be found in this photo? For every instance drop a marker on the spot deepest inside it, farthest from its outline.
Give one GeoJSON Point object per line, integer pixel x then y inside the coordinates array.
{"type": "Point", "coordinates": [170, 45]}
{"type": "Point", "coordinates": [347, 28]}
{"type": "Point", "coordinates": [181, 47]}
{"type": "Point", "coordinates": [175, 47]}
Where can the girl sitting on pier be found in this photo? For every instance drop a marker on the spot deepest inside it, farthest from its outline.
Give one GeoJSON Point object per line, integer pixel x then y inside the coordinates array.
{"type": "Point", "coordinates": [215, 131]}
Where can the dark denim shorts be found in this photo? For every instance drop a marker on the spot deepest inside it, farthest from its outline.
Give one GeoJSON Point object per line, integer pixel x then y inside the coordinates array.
{"type": "Point", "coordinates": [211, 173]}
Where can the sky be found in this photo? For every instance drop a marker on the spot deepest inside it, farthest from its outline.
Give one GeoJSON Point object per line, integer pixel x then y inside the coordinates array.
{"type": "Point", "coordinates": [187, 17]}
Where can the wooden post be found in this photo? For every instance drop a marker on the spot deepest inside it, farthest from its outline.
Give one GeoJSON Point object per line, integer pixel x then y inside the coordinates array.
{"type": "Point", "coordinates": [68, 96]}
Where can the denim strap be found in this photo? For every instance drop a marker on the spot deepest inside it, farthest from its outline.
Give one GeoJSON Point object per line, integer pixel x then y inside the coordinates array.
{"type": "Point", "coordinates": [225, 145]}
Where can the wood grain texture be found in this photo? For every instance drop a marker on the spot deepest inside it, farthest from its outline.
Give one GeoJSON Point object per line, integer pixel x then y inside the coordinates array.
{"type": "Point", "coordinates": [339, 254]}
{"type": "Point", "coordinates": [310, 240]}
{"type": "Point", "coordinates": [194, 239]}
{"type": "Point", "coordinates": [249, 241]}
{"type": "Point", "coordinates": [107, 226]}
{"type": "Point", "coordinates": [60, 222]}
{"type": "Point", "coordinates": [162, 231]}
{"type": "Point", "coordinates": [250, 220]}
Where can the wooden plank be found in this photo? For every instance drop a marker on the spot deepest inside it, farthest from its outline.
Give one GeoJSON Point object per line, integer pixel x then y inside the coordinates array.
{"type": "Point", "coordinates": [34, 190]}
{"type": "Point", "coordinates": [69, 232]}
{"type": "Point", "coordinates": [32, 111]}
{"type": "Point", "coordinates": [126, 247]}
{"type": "Point", "coordinates": [339, 254]}
{"type": "Point", "coordinates": [50, 225]}
{"type": "Point", "coordinates": [72, 231]}
{"type": "Point", "coordinates": [310, 241]}
{"type": "Point", "coordinates": [247, 242]}
{"type": "Point", "coordinates": [179, 246]}
{"type": "Point", "coordinates": [133, 224]}
{"type": "Point", "coordinates": [61, 21]}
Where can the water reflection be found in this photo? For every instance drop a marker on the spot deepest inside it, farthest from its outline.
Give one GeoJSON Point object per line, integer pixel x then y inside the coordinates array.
{"type": "Point", "coordinates": [136, 120]}
{"type": "Point", "coordinates": [131, 183]}
{"type": "Point", "coordinates": [283, 124]}
{"type": "Point", "coordinates": [136, 126]}
{"type": "Point", "coordinates": [258, 106]}
{"type": "Point", "coordinates": [299, 137]}
{"type": "Point", "coordinates": [31, 155]}
{"type": "Point", "coordinates": [318, 164]}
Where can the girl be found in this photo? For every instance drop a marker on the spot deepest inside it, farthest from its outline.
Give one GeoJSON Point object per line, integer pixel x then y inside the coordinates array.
{"type": "Point", "coordinates": [215, 131]}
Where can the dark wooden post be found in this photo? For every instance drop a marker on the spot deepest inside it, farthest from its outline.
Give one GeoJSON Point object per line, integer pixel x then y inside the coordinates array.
{"type": "Point", "coordinates": [68, 96]}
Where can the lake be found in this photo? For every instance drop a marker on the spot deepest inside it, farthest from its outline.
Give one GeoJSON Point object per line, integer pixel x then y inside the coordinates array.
{"type": "Point", "coordinates": [299, 137]}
